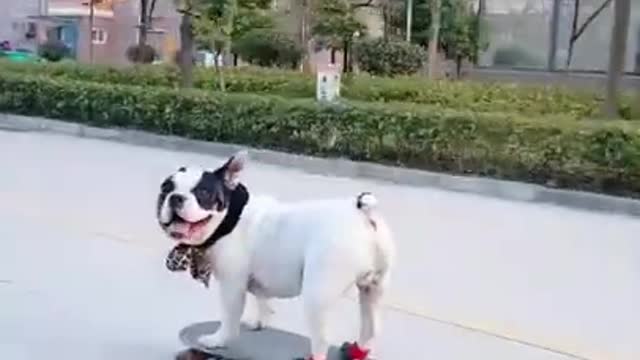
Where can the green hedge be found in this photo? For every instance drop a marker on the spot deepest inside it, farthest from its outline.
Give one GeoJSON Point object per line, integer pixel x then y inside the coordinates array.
{"type": "Point", "coordinates": [583, 155]}
{"type": "Point", "coordinates": [479, 97]}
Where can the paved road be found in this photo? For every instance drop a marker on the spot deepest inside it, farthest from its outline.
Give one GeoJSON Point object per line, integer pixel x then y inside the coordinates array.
{"type": "Point", "coordinates": [82, 276]}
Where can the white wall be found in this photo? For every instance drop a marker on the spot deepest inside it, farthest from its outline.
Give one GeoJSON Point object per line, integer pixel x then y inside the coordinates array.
{"type": "Point", "coordinates": [15, 12]}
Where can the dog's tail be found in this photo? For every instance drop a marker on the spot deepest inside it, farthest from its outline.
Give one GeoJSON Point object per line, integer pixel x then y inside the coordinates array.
{"type": "Point", "coordinates": [382, 238]}
{"type": "Point", "coordinates": [367, 203]}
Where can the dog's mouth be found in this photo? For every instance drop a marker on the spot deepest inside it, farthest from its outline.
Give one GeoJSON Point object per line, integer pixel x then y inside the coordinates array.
{"type": "Point", "coordinates": [179, 228]}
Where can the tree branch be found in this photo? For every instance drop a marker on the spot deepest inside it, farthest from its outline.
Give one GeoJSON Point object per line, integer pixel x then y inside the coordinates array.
{"type": "Point", "coordinates": [152, 9]}
{"type": "Point", "coordinates": [590, 20]}
{"type": "Point", "coordinates": [188, 11]}
{"type": "Point", "coordinates": [364, 4]}
{"type": "Point", "coordinates": [574, 28]}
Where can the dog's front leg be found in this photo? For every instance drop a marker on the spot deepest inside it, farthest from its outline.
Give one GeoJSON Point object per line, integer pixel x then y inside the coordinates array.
{"type": "Point", "coordinates": [264, 312]}
{"type": "Point", "coordinates": [233, 297]}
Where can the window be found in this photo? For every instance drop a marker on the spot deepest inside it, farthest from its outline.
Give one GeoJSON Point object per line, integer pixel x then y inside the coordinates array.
{"type": "Point", "coordinates": [32, 30]}
{"type": "Point", "coordinates": [99, 36]}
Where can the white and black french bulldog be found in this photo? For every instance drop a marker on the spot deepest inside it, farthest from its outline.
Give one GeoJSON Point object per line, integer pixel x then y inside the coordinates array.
{"type": "Point", "coordinates": [255, 244]}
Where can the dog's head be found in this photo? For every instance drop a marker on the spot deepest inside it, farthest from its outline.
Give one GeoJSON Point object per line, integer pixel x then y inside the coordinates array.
{"type": "Point", "coordinates": [193, 202]}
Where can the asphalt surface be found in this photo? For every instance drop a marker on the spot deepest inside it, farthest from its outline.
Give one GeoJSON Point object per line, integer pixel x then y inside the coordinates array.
{"type": "Point", "coordinates": [82, 264]}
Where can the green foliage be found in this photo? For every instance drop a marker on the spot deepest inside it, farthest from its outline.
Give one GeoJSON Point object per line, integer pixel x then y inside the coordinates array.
{"type": "Point", "coordinates": [602, 157]}
{"type": "Point", "coordinates": [213, 26]}
{"type": "Point", "coordinates": [268, 49]}
{"type": "Point", "coordinates": [515, 56]}
{"type": "Point", "coordinates": [472, 96]}
{"type": "Point", "coordinates": [335, 23]}
{"type": "Point", "coordinates": [229, 20]}
{"type": "Point", "coordinates": [389, 58]}
{"type": "Point", "coordinates": [53, 50]}
{"type": "Point", "coordinates": [458, 27]}
{"type": "Point", "coordinates": [251, 19]}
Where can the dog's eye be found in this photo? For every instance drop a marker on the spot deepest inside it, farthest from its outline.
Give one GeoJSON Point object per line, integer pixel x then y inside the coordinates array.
{"type": "Point", "coordinates": [167, 186]}
{"type": "Point", "coordinates": [202, 194]}
{"type": "Point", "coordinates": [206, 198]}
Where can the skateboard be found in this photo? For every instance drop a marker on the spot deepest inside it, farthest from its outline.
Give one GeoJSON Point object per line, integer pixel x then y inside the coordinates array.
{"type": "Point", "coordinates": [265, 344]}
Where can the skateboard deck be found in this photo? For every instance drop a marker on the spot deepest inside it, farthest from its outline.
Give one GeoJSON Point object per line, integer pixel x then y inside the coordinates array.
{"type": "Point", "coordinates": [264, 344]}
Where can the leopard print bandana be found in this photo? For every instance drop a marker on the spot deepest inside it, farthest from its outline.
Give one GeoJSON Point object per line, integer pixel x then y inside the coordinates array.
{"type": "Point", "coordinates": [194, 257]}
{"type": "Point", "coordinates": [183, 257]}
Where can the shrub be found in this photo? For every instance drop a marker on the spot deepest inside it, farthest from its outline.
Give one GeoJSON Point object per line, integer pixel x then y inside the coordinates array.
{"type": "Point", "coordinates": [584, 155]}
{"type": "Point", "coordinates": [481, 97]}
{"type": "Point", "coordinates": [53, 50]}
{"type": "Point", "coordinates": [389, 58]}
{"type": "Point", "coordinates": [266, 48]}
{"type": "Point", "coordinates": [516, 56]}
{"type": "Point", "coordinates": [141, 54]}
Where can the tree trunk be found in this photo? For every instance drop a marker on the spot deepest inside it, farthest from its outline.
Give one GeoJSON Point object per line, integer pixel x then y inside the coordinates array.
{"type": "Point", "coordinates": [574, 29]}
{"type": "Point", "coordinates": [434, 40]}
{"type": "Point", "coordinates": [409, 18]}
{"type": "Point", "coordinates": [221, 81]}
{"type": "Point", "coordinates": [227, 56]}
{"type": "Point", "coordinates": [144, 27]}
{"type": "Point", "coordinates": [92, 4]}
{"type": "Point", "coordinates": [345, 58]}
{"type": "Point", "coordinates": [482, 7]}
{"type": "Point", "coordinates": [333, 55]}
{"type": "Point", "coordinates": [617, 55]}
{"type": "Point", "coordinates": [186, 50]}
{"type": "Point", "coordinates": [576, 32]}
{"type": "Point", "coordinates": [304, 36]}
{"type": "Point", "coordinates": [385, 21]}
{"type": "Point", "coordinates": [552, 60]}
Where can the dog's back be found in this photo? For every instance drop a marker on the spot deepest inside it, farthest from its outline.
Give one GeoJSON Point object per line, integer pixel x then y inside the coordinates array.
{"type": "Point", "coordinates": [287, 240]}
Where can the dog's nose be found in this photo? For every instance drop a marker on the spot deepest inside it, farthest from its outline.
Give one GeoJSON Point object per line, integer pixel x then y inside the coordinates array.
{"type": "Point", "coordinates": [176, 201]}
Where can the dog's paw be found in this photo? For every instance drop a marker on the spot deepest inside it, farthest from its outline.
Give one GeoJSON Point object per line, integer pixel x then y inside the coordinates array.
{"type": "Point", "coordinates": [213, 341]}
{"type": "Point", "coordinates": [263, 318]}
{"type": "Point", "coordinates": [255, 324]}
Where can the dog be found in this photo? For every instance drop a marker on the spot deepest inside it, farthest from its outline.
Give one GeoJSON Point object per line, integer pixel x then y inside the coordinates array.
{"type": "Point", "coordinates": [315, 249]}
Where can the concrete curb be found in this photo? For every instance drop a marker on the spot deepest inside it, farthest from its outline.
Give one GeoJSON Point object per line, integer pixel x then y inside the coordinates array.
{"type": "Point", "coordinates": [506, 190]}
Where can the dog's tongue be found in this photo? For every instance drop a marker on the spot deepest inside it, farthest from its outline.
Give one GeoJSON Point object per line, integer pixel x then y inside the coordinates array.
{"type": "Point", "coordinates": [183, 228]}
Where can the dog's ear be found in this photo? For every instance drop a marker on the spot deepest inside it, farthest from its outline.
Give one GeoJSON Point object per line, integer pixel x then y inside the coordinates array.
{"type": "Point", "coordinates": [233, 167]}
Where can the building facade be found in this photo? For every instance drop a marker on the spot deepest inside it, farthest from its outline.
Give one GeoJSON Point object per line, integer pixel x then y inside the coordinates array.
{"type": "Point", "coordinates": [17, 23]}
{"type": "Point", "coordinates": [115, 27]}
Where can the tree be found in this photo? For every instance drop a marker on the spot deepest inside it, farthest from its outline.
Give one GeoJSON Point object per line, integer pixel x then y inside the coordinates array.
{"type": "Point", "coordinates": [482, 9]}
{"type": "Point", "coordinates": [252, 15]}
{"type": "Point", "coordinates": [434, 38]}
{"type": "Point", "coordinates": [187, 8]}
{"type": "Point", "coordinates": [147, 8]}
{"type": "Point", "coordinates": [389, 57]}
{"type": "Point", "coordinates": [215, 26]}
{"type": "Point", "coordinates": [617, 54]}
{"type": "Point", "coordinates": [336, 25]}
{"type": "Point", "coordinates": [461, 33]}
{"type": "Point", "coordinates": [221, 22]}
{"type": "Point", "coordinates": [576, 32]}
{"type": "Point", "coordinates": [268, 48]}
